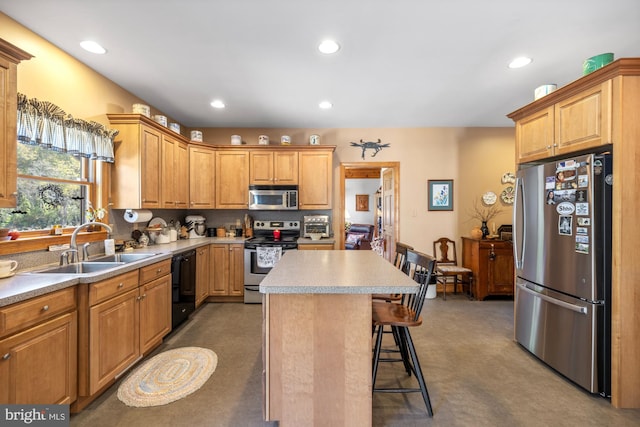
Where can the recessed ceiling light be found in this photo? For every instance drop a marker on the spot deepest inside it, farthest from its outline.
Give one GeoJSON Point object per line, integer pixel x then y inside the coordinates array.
{"type": "Point", "coordinates": [325, 105]}
{"type": "Point", "coordinates": [520, 62]}
{"type": "Point", "coordinates": [217, 104]}
{"type": "Point", "coordinates": [328, 46]}
{"type": "Point", "coordinates": [93, 47]}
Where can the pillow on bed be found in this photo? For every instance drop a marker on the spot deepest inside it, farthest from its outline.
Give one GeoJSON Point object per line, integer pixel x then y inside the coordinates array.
{"type": "Point", "coordinates": [355, 238]}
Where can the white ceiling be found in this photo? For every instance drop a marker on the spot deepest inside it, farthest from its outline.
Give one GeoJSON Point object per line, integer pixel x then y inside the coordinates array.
{"type": "Point", "coordinates": [403, 63]}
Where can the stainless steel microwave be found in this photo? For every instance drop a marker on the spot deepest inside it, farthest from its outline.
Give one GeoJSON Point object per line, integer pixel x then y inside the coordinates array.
{"type": "Point", "coordinates": [273, 197]}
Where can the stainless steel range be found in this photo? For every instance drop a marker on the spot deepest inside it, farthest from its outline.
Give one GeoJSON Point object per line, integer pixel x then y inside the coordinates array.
{"type": "Point", "coordinates": [271, 240]}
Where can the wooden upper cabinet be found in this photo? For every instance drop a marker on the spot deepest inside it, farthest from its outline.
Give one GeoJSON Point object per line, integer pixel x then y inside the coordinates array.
{"type": "Point", "coordinates": [151, 165]}
{"type": "Point", "coordinates": [232, 179]}
{"type": "Point", "coordinates": [10, 56]}
{"type": "Point", "coordinates": [273, 168]}
{"type": "Point", "coordinates": [316, 179]}
{"type": "Point", "coordinates": [584, 120]}
{"type": "Point", "coordinates": [174, 173]}
{"type": "Point", "coordinates": [202, 164]}
{"type": "Point", "coordinates": [534, 136]}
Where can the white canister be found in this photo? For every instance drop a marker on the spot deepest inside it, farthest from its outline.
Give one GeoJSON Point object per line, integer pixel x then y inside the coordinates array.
{"type": "Point", "coordinates": [160, 119]}
{"type": "Point", "coordinates": [314, 140]}
{"type": "Point", "coordinates": [173, 234]}
{"type": "Point", "coordinates": [543, 90]}
{"type": "Point", "coordinates": [285, 140]}
{"type": "Point", "coordinates": [109, 247]}
{"type": "Point", "coordinates": [236, 140]}
{"type": "Point", "coordinates": [143, 109]}
{"type": "Point", "coordinates": [174, 127]}
{"type": "Point", "coordinates": [263, 140]}
{"type": "Point", "coordinates": [196, 136]}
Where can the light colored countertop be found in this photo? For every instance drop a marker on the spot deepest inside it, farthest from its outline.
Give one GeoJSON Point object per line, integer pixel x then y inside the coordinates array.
{"type": "Point", "coordinates": [335, 272]}
{"type": "Point", "coordinates": [27, 284]}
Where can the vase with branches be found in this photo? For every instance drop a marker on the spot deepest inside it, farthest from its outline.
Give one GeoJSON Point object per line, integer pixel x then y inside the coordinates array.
{"type": "Point", "coordinates": [484, 214]}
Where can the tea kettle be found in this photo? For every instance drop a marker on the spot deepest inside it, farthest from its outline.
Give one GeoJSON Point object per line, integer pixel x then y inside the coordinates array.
{"type": "Point", "coordinates": [196, 226]}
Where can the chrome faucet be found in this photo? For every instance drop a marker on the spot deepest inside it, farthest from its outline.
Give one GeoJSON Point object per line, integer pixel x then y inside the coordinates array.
{"type": "Point", "coordinates": [74, 245]}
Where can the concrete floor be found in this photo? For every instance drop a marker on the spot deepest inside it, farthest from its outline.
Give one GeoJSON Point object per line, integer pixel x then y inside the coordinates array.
{"type": "Point", "coordinates": [476, 375]}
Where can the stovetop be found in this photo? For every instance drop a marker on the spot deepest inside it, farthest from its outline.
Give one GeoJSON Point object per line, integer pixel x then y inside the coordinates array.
{"type": "Point", "coordinates": [263, 234]}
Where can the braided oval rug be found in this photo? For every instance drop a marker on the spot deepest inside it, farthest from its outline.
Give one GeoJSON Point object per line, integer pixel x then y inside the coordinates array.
{"type": "Point", "coordinates": [168, 376]}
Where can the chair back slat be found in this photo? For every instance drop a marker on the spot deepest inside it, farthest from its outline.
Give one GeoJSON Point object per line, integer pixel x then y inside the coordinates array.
{"type": "Point", "coordinates": [401, 256]}
{"type": "Point", "coordinates": [444, 249]}
{"type": "Point", "coordinates": [421, 267]}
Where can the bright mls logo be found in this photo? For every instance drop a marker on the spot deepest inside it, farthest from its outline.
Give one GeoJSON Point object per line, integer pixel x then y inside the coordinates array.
{"type": "Point", "coordinates": [36, 415]}
{"type": "Point", "coordinates": [565, 208]}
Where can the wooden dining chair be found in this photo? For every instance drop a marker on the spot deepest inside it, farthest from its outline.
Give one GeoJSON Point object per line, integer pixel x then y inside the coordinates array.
{"type": "Point", "coordinates": [401, 317]}
{"type": "Point", "coordinates": [399, 261]}
{"type": "Point", "coordinates": [448, 270]}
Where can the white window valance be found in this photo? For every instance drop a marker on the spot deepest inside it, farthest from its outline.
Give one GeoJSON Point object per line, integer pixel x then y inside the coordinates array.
{"type": "Point", "coordinates": [44, 123]}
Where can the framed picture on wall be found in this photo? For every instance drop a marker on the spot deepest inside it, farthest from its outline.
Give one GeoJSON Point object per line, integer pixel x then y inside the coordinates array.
{"type": "Point", "coordinates": [362, 202]}
{"type": "Point", "coordinates": [440, 194]}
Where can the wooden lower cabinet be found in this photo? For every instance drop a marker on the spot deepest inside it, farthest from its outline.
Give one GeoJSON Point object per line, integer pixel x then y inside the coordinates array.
{"type": "Point", "coordinates": [202, 274]}
{"type": "Point", "coordinates": [227, 270]}
{"type": "Point", "coordinates": [492, 265]}
{"type": "Point", "coordinates": [39, 365]}
{"type": "Point", "coordinates": [126, 317]}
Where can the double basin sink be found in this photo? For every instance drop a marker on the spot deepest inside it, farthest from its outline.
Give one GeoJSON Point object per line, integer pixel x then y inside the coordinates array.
{"type": "Point", "coordinates": [97, 264]}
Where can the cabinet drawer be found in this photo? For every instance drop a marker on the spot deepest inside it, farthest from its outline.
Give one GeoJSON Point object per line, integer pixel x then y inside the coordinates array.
{"type": "Point", "coordinates": [109, 288]}
{"type": "Point", "coordinates": [22, 315]}
{"type": "Point", "coordinates": [153, 271]}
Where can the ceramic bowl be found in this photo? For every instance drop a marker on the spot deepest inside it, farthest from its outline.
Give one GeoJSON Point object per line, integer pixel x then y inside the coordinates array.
{"type": "Point", "coordinates": [315, 236]}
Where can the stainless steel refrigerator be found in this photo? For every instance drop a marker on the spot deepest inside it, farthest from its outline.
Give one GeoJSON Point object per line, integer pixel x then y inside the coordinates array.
{"type": "Point", "coordinates": [562, 245]}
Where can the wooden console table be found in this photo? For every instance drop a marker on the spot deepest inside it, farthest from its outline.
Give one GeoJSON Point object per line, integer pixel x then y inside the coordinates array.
{"type": "Point", "coordinates": [492, 265]}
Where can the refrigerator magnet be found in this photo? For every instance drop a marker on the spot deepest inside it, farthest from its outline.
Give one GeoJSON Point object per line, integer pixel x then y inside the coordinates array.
{"type": "Point", "coordinates": [564, 225]}
{"type": "Point", "coordinates": [582, 209]}
{"type": "Point", "coordinates": [584, 222]}
{"type": "Point", "coordinates": [582, 248]}
{"type": "Point", "coordinates": [550, 183]}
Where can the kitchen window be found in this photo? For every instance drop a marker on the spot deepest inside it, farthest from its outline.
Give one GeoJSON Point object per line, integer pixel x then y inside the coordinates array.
{"type": "Point", "coordinates": [54, 188]}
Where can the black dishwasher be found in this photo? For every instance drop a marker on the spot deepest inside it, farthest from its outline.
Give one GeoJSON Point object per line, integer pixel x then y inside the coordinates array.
{"type": "Point", "coordinates": [183, 286]}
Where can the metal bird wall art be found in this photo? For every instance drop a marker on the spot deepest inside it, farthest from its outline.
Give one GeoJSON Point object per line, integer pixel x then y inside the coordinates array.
{"type": "Point", "coordinates": [370, 145]}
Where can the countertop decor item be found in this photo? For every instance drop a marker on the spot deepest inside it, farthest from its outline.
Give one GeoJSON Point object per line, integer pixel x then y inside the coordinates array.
{"type": "Point", "coordinates": [168, 376]}
{"type": "Point", "coordinates": [315, 236]}
{"type": "Point", "coordinates": [484, 213]}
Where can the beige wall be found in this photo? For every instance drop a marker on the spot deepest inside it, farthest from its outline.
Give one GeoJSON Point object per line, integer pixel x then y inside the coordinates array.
{"type": "Point", "coordinates": [475, 158]}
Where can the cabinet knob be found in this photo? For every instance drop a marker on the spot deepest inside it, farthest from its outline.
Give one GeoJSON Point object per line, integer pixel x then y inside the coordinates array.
{"type": "Point", "coordinates": [120, 285]}
{"type": "Point", "coordinates": [548, 147]}
{"type": "Point", "coordinates": [6, 356]}
{"type": "Point", "coordinates": [159, 271]}
{"type": "Point", "coordinates": [143, 296]}
{"type": "Point", "coordinates": [45, 308]}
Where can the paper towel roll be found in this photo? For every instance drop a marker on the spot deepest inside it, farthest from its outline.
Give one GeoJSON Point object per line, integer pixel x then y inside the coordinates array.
{"type": "Point", "coordinates": [137, 215]}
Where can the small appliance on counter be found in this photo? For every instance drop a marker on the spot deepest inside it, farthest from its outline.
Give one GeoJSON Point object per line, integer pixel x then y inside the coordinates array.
{"type": "Point", "coordinates": [196, 226]}
{"type": "Point", "coordinates": [316, 224]}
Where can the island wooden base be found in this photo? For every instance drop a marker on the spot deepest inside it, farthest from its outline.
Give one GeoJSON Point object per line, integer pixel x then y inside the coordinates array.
{"type": "Point", "coordinates": [317, 359]}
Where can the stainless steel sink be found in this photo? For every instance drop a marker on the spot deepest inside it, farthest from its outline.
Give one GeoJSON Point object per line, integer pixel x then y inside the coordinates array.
{"type": "Point", "coordinates": [120, 258]}
{"type": "Point", "coordinates": [81, 268]}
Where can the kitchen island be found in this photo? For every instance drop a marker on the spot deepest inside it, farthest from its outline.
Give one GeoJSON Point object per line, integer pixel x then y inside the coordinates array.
{"type": "Point", "coordinates": [317, 335]}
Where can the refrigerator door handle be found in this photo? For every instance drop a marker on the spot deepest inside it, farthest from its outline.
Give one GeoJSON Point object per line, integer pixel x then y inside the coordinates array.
{"type": "Point", "coordinates": [518, 245]}
{"type": "Point", "coordinates": [572, 307]}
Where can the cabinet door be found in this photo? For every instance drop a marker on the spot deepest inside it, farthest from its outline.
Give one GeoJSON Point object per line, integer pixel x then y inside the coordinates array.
{"type": "Point", "coordinates": [500, 271]}
{"type": "Point", "coordinates": [168, 171]}
{"type": "Point", "coordinates": [39, 365]}
{"type": "Point", "coordinates": [202, 274]}
{"type": "Point", "coordinates": [534, 136]}
{"type": "Point", "coordinates": [155, 312]}
{"type": "Point", "coordinates": [114, 338]}
{"type": "Point", "coordinates": [236, 270]}
{"type": "Point", "coordinates": [315, 179]}
{"type": "Point", "coordinates": [584, 121]}
{"type": "Point", "coordinates": [202, 163]}
{"type": "Point", "coordinates": [232, 179]}
{"type": "Point", "coordinates": [181, 177]}
{"type": "Point", "coordinates": [219, 268]}
{"type": "Point", "coordinates": [8, 156]}
{"type": "Point", "coordinates": [261, 167]}
{"type": "Point", "coordinates": [285, 167]}
{"type": "Point", "coordinates": [150, 150]}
